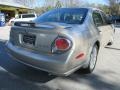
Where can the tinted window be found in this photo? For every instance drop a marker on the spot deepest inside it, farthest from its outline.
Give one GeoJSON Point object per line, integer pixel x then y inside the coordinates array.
{"type": "Point", "coordinates": [97, 19]}
{"type": "Point", "coordinates": [28, 16]}
{"type": "Point", "coordinates": [71, 16]}
{"type": "Point", "coordinates": [105, 18]}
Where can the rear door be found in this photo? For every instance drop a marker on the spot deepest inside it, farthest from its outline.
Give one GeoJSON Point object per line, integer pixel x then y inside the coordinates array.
{"type": "Point", "coordinates": [104, 29]}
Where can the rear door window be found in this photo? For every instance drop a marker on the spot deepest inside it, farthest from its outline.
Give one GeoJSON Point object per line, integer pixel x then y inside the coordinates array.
{"type": "Point", "coordinates": [105, 18]}
{"type": "Point", "coordinates": [97, 18]}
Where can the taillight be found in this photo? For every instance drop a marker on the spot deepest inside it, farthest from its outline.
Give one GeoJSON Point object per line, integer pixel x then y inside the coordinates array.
{"type": "Point", "coordinates": [61, 45]}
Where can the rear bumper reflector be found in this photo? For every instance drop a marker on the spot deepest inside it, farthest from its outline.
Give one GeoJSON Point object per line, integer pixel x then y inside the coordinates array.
{"type": "Point", "coordinates": [80, 56]}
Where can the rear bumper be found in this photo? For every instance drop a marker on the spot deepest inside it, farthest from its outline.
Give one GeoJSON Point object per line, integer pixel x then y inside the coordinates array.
{"type": "Point", "coordinates": [58, 65]}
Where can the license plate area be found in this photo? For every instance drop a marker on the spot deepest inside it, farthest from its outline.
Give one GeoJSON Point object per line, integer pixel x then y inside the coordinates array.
{"type": "Point", "coordinates": [29, 39]}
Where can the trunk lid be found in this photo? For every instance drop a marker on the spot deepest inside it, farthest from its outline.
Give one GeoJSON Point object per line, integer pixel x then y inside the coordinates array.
{"type": "Point", "coordinates": [36, 37]}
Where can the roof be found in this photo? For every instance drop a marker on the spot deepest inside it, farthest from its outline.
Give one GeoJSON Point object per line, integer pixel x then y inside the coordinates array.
{"type": "Point", "coordinates": [89, 8]}
{"type": "Point", "coordinates": [12, 4]}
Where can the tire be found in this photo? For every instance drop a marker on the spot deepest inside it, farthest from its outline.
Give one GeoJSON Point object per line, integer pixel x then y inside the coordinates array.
{"type": "Point", "coordinates": [92, 61]}
{"type": "Point", "coordinates": [110, 43]}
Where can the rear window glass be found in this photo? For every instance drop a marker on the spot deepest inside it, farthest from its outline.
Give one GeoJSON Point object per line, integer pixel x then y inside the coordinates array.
{"type": "Point", "coordinates": [64, 15]}
{"type": "Point", "coordinates": [28, 16]}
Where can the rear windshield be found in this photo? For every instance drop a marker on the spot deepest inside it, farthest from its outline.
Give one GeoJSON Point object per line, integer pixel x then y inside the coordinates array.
{"type": "Point", "coordinates": [28, 16]}
{"type": "Point", "coordinates": [64, 15]}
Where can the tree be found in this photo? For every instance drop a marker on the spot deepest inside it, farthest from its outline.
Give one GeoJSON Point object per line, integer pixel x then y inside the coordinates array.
{"type": "Point", "coordinates": [28, 3]}
{"type": "Point", "coordinates": [105, 8]}
{"type": "Point", "coordinates": [114, 7]}
{"type": "Point", "coordinates": [50, 3]}
{"type": "Point", "coordinates": [73, 3]}
{"type": "Point", "coordinates": [58, 4]}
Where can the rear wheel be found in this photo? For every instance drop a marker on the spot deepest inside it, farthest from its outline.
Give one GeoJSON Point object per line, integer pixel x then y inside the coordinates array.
{"type": "Point", "coordinates": [110, 42]}
{"type": "Point", "coordinates": [92, 61]}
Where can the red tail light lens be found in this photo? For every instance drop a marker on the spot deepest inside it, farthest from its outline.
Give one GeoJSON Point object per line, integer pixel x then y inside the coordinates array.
{"type": "Point", "coordinates": [61, 45]}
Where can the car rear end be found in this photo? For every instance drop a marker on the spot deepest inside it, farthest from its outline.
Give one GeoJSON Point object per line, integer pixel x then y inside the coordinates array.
{"type": "Point", "coordinates": [57, 48]}
{"type": "Point", "coordinates": [45, 49]}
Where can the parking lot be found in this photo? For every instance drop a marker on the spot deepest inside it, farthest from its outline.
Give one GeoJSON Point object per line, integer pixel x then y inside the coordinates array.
{"type": "Point", "coordinates": [16, 76]}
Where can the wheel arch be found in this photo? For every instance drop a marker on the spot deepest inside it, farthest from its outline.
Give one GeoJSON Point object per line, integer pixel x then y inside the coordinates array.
{"type": "Point", "coordinates": [98, 44]}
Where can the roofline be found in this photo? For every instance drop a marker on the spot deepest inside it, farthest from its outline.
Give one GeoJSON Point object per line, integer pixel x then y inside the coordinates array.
{"type": "Point", "coordinates": [89, 8]}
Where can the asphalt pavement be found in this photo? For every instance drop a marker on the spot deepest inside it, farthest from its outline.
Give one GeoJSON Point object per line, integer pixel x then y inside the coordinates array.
{"type": "Point", "coordinates": [16, 76]}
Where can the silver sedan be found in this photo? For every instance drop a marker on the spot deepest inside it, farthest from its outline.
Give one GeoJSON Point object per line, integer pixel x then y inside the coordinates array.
{"type": "Point", "coordinates": [61, 41]}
